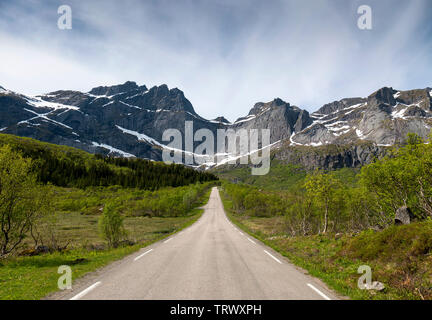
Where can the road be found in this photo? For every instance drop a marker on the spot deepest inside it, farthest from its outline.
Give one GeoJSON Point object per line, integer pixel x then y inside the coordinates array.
{"type": "Point", "coordinates": [212, 260]}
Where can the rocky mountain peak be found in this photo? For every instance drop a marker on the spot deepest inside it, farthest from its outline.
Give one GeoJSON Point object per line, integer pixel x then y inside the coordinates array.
{"type": "Point", "coordinates": [338, 105]}
{"type": "Point", "coordinates": [384, 95]}
{"type": "Point", "coordinates": [221, 120]}
{"type": "Point", "coordinates": [159, 91]}
{"type": "Point", "coordinates": [279, 102]}
{"type": "Point", "coordinates": [421, 98]}
{"type": "Point", "coordinates": [260, 107]}
{"type": "Point", "coordinates": [116, 89]}
{"type": "Point", "coordinates": [169, 99]}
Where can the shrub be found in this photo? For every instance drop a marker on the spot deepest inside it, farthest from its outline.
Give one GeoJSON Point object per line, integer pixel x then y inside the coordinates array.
{"type": "Point", "coordinates": [111, 225]}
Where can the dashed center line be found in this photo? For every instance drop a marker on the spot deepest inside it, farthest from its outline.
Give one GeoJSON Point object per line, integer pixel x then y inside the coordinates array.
{"type": "Point", "coordinates": [273, 256]}
{"type": "Point", "coordinates": [84, 292]}
{"type": "Point", "coordinates": [142, 255]}
{"type": "Point", "coordinates": [318, 291]}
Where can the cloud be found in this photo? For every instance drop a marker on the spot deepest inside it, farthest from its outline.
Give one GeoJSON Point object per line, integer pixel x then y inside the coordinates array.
{"type": "Point", "coordinates": [224, 54]}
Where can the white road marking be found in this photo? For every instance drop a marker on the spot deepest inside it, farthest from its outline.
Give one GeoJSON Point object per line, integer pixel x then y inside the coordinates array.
{"type": "Point", "coordinates": [142, 255]}
{"type": "Point", "coordinates": [319, 292]}
{"type": "Point", "coordinates": [167, 240]}
{"type": "Point", "coordinates": [251, 240]}
{"type": "Point", "coordinates": [84, 292]}
{"type": "Point", "coordinates": [273, 256]}
{"type": "Point", "coordinates": [241, 233]}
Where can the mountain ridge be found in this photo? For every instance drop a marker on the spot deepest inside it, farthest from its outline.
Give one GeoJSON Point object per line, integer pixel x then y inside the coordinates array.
{"type": "Point", "coordinates": [129, 120]}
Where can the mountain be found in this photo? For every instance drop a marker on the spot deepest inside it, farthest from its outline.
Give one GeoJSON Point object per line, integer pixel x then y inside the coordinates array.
{"type": "Point", "coordinates": [126, 120]}
{"type": "Point", "coordinates": [280, 117]}
{"type": "Point", "coordinates": [129, 120]}
{"type": "Point", "coordinates": [384, 118]}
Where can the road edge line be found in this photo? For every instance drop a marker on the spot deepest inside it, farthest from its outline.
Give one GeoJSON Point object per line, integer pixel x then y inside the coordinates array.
{"type": "Point", "coordinates": [85, 291]}
{"type": "Point", "coordinates": [318, 291]}
{"type": "Point", "coordinates": [273, 256]}
{"type": "Point", "coordinates": [142, 255]}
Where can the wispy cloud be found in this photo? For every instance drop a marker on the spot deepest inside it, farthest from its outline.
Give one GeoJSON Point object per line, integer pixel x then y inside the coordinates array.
{"type": "Point", "coordinates": [225, 54]}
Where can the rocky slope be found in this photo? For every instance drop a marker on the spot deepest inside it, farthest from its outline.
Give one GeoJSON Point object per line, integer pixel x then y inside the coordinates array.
{"type": "Point", "coordinates": [129, 120]}
{"type": "Point", "coordinates": [384, 118]}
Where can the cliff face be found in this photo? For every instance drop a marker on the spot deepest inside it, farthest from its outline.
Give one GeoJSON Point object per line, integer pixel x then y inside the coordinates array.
{"type": "Point", "coordinates": [331, 156]}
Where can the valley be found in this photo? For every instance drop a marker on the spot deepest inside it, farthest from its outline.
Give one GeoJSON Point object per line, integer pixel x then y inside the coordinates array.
{"type": "Point", "coordinates": [340, 182]}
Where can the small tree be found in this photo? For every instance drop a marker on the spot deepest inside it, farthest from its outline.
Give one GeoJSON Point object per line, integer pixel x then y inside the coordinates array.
{"type": "Point", "coordinates": [323, 188]}
{"type": "Point", "coordinates": [111, 225]}
{"type": "Point", "coordinates": [19, 200]}
{"type": "Point", "coordinates": [190, 197]}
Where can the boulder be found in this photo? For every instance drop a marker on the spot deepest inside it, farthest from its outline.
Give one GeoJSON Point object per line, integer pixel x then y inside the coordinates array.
{"type": "Point", "coordinates": [375, 285]}
{"type": "Point", "coordinates": [403, 216]}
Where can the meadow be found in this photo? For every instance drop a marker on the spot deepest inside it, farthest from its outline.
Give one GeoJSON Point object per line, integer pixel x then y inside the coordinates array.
{"type": "Point", "coordinates": [28, 276]}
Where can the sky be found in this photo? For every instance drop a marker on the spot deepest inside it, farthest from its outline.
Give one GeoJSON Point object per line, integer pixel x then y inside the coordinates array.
{"type": "Point", "coordinates": [225, 55]}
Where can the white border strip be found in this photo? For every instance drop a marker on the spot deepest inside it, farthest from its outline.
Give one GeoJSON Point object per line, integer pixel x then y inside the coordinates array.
{"type": "Point", "coordinates": [273, 256]}
{"type": "Point", "coordinates": [319, 292]}
{"type": "Point", "coordinates": [167, 240]}
{"type": "Point", "coordinates": [84, 292]}
{"type": "Point", "coordinates": [142, 255]}
{"type": "Point", "coordinates": [251, 240]}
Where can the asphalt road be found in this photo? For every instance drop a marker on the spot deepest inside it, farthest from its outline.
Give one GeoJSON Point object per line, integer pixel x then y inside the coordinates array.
{"type": "Point", "coordinates": [212, 259]}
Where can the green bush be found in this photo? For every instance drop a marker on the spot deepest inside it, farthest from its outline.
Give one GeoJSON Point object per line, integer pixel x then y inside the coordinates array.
{"type": "Point", "coordinates": [111, 225]}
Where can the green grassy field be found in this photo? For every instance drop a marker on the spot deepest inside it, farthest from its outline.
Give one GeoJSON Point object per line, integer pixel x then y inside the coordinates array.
{"type": "Point", "coordinates": [399, 256]}
{"type": "Point", "coordinates": [34, 277]}
{"type": "Point", "coordinates": [280, 177]}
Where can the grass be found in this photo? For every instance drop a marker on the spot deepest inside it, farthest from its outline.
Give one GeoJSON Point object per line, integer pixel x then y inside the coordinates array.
{"type": "Point", "coordinates": [281, 176]}
{"type": "Point", "coordinates": [400, 256]}
{"type": "Point", "coordinates": [35, 277]}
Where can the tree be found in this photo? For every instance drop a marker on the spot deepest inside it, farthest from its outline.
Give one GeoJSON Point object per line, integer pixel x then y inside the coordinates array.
{"type": "Point", "coordinates": [323, 188]}
{"type": "Point", "coordinates": [111, 225]}
{"type": "Point", "coordinates": [19, 200]}
{"type": "Point", "coordinates": [403, 178]}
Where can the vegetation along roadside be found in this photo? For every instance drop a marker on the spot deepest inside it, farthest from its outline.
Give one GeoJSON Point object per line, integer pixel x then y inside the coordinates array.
{"type": "Point", "coordinates": [46, 224]}
{"type": "Point", "coordinates": [331, 225]}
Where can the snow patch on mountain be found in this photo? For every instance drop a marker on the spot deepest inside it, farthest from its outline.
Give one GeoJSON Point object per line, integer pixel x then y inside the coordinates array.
{"type": "Point", "coordinates": [113, 150]}
{"type": "Point", "coordinates": [129, 105]}
{"type": "Point", "coordinates": [245, 119]}
{"type": "Point", "coordinates": [141, 136]}
{"type": "Point", "coordinates": [43, 116]}
{"type": "Point", "coordinates": [40, 103]}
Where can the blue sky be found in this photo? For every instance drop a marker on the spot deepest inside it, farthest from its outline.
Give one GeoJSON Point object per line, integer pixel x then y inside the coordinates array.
{"type": "Point", "coordinates": [225, 55]}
